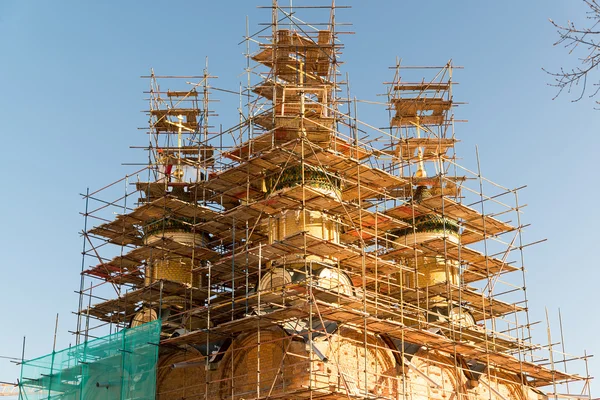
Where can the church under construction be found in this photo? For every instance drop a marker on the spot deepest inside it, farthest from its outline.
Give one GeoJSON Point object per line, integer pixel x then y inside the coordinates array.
{"type": "Point", "coordinates": [302, 253]}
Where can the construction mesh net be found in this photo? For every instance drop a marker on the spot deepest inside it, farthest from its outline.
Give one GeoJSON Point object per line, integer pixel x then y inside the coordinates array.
{"type": "Point", "coordinates": [118, 366]}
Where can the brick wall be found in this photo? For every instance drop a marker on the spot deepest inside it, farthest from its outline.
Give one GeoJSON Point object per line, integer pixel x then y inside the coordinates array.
{"type": "Point", "coordinates": [180, 383]}
{"type": "Point", "coordinates": [351, 369]}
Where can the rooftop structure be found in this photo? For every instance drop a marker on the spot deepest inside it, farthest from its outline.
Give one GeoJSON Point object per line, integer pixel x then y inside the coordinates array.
{"type": "Point", "coordinates": [302, 252]}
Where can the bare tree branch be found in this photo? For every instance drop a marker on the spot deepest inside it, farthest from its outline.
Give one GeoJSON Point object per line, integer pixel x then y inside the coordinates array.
{"type": "Point", "coordinates": [586, 42]}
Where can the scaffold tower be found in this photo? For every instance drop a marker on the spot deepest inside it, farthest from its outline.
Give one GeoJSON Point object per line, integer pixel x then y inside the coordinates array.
{"type": "Point", "coordinates": [304, 253]}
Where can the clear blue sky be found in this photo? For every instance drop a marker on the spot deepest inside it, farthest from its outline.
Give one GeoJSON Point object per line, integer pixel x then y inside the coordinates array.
{"type": "Point", "coordinates": [71, 96]}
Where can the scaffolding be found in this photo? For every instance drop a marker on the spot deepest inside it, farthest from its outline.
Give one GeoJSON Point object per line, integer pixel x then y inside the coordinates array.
{"type": "Point", "coordinates": [304, 253]}
{"type": "Point", "coordinates": [121, 365]}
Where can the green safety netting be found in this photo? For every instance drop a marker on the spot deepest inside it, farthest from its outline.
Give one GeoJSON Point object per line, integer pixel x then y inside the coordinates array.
{"type": "Point", "coordinates": [118, 366]}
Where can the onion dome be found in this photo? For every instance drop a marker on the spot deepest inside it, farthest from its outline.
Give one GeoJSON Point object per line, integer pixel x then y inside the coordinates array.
{"type": "Point", "coordinates": [431, 223]}
{"type": "Point", "coordinates": [313, 177]}
{"type": "Point", "coordinates": [428, 223]}
{"type": "Point", "coordinates": [168, 224]}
